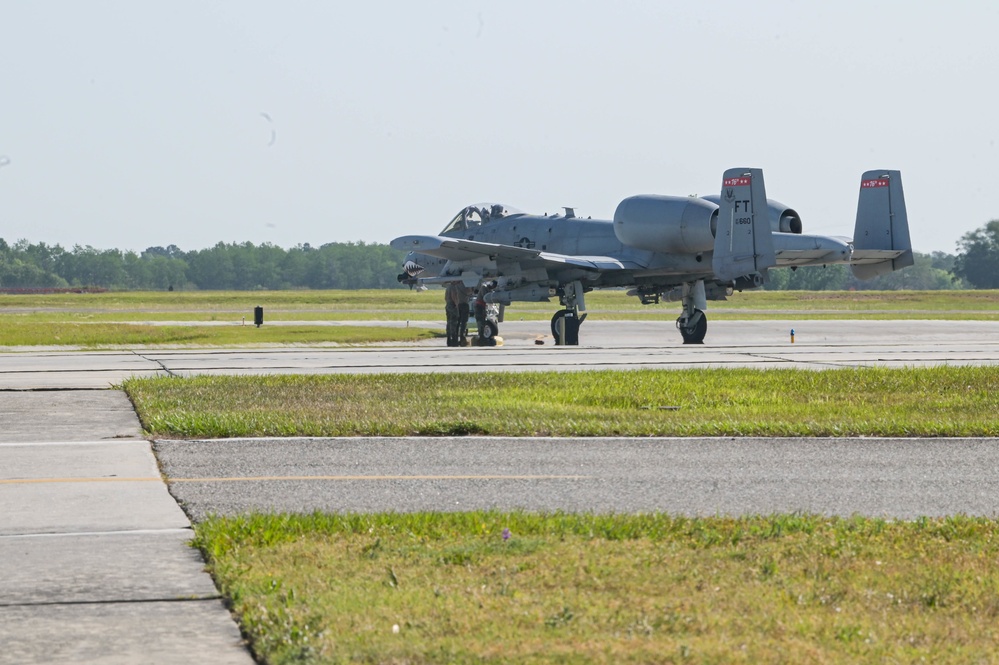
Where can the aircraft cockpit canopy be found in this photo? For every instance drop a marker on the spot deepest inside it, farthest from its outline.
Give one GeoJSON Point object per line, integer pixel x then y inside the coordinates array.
{"type": "Point", "coordinates": [474, 216]}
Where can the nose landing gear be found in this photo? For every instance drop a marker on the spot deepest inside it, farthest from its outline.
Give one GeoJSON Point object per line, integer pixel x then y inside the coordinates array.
{"type": "Point", "coordinates": [567, 321]}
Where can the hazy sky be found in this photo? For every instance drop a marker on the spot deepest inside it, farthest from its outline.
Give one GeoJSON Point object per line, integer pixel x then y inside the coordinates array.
{"type": "Point", "coordinates": [136, 123]}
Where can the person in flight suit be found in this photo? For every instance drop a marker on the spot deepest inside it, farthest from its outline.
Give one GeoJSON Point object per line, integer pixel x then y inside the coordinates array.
{"type": "Point", "coordinates": [456, 309]}
{"type": "Point", "coordinates": [480, 313]}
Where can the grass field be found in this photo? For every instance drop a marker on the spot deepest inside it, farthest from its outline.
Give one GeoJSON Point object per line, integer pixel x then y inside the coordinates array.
{"type": "Point", "coordinates": [98, 335]}
{"type": "Point", "coordinates": [933, 401]}
{"type": "Point", "coordinates": [515, 588]}
{"type": "Point", "coordinates": [401, 304]}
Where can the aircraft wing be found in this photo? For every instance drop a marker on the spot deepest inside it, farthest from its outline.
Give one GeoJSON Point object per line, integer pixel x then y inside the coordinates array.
{"type": "Point", "coordinates": [458, 249]}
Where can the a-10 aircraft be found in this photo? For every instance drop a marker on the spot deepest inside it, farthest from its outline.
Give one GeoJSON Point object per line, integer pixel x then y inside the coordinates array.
{"type": "Point", "coordinates": [686, 248]}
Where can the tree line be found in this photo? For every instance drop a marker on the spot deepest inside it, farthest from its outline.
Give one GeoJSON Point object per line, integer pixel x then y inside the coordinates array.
{"type": "Point", "coordinates": [929, 272]}
{"type": "Point", "coordinates": [245, 266]}
{"type": "Point", "coordinates": [226, 266]}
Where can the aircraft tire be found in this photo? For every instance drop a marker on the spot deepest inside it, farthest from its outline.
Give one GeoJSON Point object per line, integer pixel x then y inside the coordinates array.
{"type": "Point", "coordinates": [695, 334]}
{"type": "Point", "coordinates": [490, 330]}
{"type": "Point", "coordinates": [572, 328]}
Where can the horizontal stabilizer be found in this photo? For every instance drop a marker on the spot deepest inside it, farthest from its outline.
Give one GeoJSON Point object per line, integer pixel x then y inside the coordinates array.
{"type": "Point", "coordinates": [794, 249]}
{"type": "Point", "coordinates": [881, 237]}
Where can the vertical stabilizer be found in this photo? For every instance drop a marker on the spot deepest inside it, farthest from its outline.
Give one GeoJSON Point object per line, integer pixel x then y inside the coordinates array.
{"type": "Point", "coordinates": [743, 242]}
{"type": "Point", "coordinates": [881, 238]}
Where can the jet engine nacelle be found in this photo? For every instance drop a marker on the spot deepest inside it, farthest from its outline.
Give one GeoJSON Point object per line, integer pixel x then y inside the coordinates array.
{"type": "Point", "coordinates": [679, 224]}
{"type": "Point", "coordinates": [782, 218]}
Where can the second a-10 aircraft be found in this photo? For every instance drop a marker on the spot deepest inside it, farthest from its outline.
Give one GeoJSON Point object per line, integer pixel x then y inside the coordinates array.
{"type": "Point", "coordinates": [686, 248]}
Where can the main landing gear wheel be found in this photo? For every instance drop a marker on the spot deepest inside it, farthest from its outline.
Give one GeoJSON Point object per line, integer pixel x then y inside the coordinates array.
{"type": "Point", "coordinates": [571, 328]}
{"type": "Point", "coordinates": [488, 336]}
{"type": "Point", "coordinates": [694, 331]}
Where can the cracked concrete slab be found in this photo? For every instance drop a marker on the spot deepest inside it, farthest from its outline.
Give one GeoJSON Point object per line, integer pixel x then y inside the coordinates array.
{"type": "Point", "coordinates": [128, 566]}
{"type": "Point", "coordinates": [67, 415]}
{"type": "Point", "coordinates": [94, 552]}
{"type": "Point", "coordinates": [198, 631]}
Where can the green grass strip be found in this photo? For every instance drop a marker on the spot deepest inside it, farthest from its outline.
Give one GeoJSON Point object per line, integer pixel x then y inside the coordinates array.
{"type": "Point", "coordinates": [401, 304]}
{"type": "Point", "coordinates": [560, 588]}
{"type": "Point", "coordinates": [934, 401]}
{"type": "Point", "coordinates": [18, 332]}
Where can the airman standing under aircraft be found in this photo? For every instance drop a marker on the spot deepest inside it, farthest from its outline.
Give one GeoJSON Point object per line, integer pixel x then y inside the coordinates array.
{"type": "Point", "coordinates": [456, 308]}
{"type": "Point", "coordinates": [451, 311]}
{"type": "Point", "coordinates": [480, 309]}
{"type": "Point", "coordinates": [463, 308]}
{"type": "Point", "coordinates": [484, 337]}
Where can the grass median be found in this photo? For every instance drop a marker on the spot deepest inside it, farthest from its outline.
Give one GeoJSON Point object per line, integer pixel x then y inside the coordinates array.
{"type": "Point", "coordinates": [401, 305]}
{"type": "Point", "coordinates": [97, 335]}
{"type": "Point", "coordinates": [932, 401]}
{"type": "Point", "coordinates": [515, 587]}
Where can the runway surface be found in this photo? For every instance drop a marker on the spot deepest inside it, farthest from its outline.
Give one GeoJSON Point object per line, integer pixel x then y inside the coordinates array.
{"type": "Point", "coordinates": [892, 478]}
{"type": "Point", "coordinates": [604, 345]}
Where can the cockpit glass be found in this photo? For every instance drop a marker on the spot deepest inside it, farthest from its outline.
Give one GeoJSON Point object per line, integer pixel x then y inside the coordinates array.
{"type": "Point", "coordinates": [474, 216]}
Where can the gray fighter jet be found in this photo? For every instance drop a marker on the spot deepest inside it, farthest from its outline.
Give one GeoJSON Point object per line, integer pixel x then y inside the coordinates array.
{"type": "Point", "coordinates": [669, 248]}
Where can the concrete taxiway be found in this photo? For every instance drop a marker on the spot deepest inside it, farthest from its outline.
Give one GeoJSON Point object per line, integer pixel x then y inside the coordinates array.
{"type": "Point", "coordinates": [604, 345]}
{"type": "Point", "coordinates": [94, 556]}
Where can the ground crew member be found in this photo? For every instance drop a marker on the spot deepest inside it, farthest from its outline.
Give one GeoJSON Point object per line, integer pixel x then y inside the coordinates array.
{"type": "Point", "coordinates": [463, 293]}
{"type": "Point", "coordinates": [480, 310]}
{"type": "Point", "coordinates": [456, 308]}
{"type": "Point", "coordinates": [451, 311]}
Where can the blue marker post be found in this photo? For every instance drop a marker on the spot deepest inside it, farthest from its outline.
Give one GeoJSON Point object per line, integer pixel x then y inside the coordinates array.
{"type": "Point", "coordinates": [792, 335]}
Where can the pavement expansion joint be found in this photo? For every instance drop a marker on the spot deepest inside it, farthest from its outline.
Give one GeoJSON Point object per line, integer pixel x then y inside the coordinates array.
{"type": "Point", "coordinates": [156, 361]}
{"type": "Point", "coordinates": [140, 601]}
{"type": "Point", "coordinates": [56, 389]}
{"type": "Point", "coordinates": [78, 534]}
{"type": "Point", "coordinates": [129, 440]}
{"type": "Point", "coordinates": [821, 364]}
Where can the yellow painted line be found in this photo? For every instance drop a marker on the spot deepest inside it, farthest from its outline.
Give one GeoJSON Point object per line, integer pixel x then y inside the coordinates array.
{"type": "Point", "coordinates": [455, 477]}
{"type": "Point", "coordinates": [109, 479]}
{"type": "Point", "coordinates": [243, 479]}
